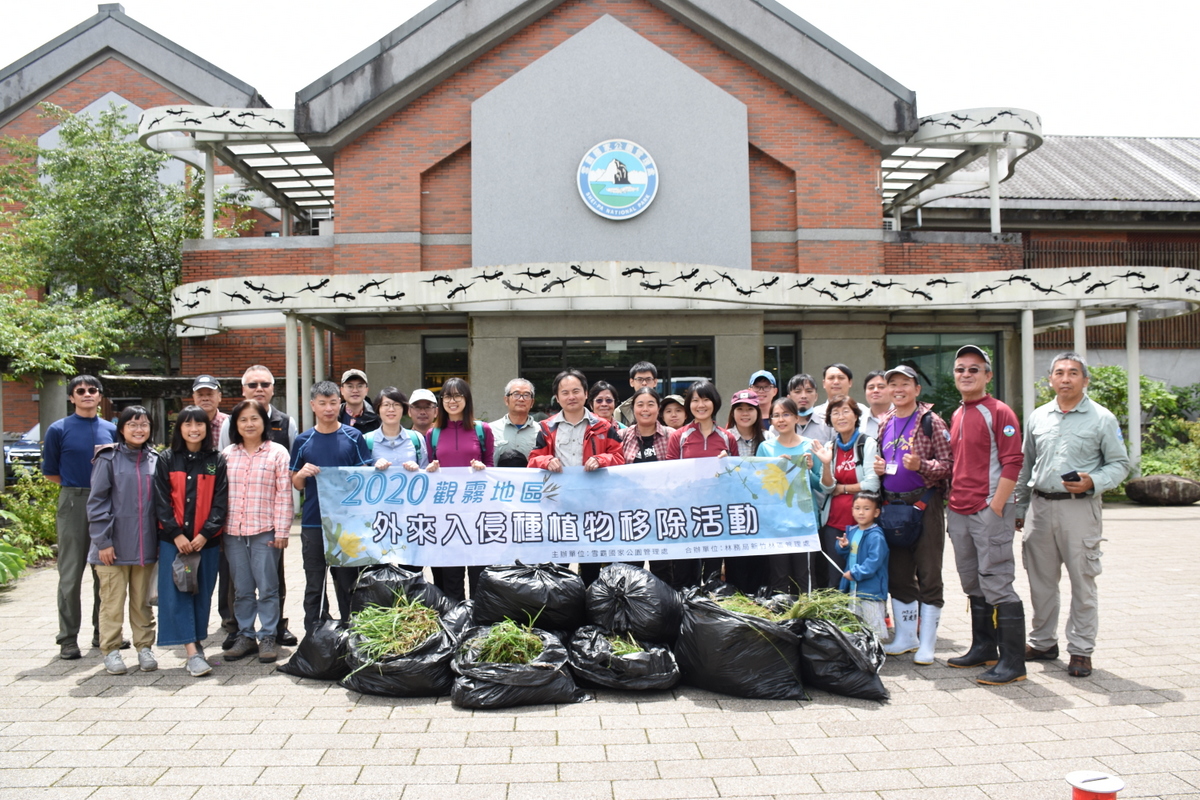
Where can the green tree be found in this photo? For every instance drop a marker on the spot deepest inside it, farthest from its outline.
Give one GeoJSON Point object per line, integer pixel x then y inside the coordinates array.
{"type": "Point", "coordinates": [91, 219]}
{"type": "Point", "coordinates": [1109, 386]}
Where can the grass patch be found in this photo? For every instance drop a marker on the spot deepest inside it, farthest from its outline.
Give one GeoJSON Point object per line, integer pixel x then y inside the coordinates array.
{"type": "Point", "coordinates": [744, 605]}
{"type": "Point", "coordinates": [388, 632]}
{"type": "Point", "coordinates": [508, 643]}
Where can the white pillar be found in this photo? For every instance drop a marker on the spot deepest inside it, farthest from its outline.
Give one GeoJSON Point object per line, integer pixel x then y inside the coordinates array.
{"type": "Point", "coordinates": [291, 367]}
{"type": "Point", "coordinates": [286, 220]}
{"type": "Point", "coordinates": [306, 371]}
{"type": "Point", "coordinates": [210, 189]}
{"type": "Point", "coordinates": [1081, 332]}
{"type": "Point", "coordinates": [1028, 366]}
{"type": "Point", "coordinates": [994, 187]}
{"type": "Point", "coordinates": [1133, 358]}
{"type": "Point", "coordinates": [319, 354]}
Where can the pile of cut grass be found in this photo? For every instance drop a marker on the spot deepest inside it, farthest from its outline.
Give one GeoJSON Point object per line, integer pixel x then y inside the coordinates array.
{"type": "Point", "coordinates": [508, 643]}
{"type": "Point", "coordinates": [742, 604]}
{"type": "Point", "coordinates": [393, 631]}
{"type": "Point", "coordinates": [623, 645]}
{"type": "Point", "coordinates": [827, 604]}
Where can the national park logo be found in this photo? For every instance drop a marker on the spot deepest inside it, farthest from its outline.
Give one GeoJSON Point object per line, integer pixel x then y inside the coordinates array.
{"type": "Point", "coordinates": [618, 179]}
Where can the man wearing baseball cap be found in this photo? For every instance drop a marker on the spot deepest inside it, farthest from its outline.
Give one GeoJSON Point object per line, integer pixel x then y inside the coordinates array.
{"type": "Point", "coordinates": [985, 438]}
{"type": "Point", "coordinates": [422, 410]}
{"type": "Point", "coordinates": [914, 463]}
{"type": "Point", "coordinates": [357, 411]}
{"type": "Point", "coordinates": [206, 393]}
{"type": "Point", "coordinates": [765, 386]}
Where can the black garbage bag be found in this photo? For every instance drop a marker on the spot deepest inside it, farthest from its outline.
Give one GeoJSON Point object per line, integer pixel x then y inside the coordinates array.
{"type": "Point", "coordinates": [379, 584]}
{"type": "Point", "coordinates": [627, 599]}
{"type": "Point", "coordinates": [547, 595]}
{"type": "Point", "coordinates": [841, 663]}
{"type": "Point", "coordinates": [321, 654]}
{"type": "Point", "coordinates": [544, 680]}
{"type": "Point", "coordinates": [421, 672]}
{"type": "Point", "coordinates": [593, 662]}
{"type": "Point", "coordinates": [459, 618]}
{"type": "Point", "coordinates": [737, 654]}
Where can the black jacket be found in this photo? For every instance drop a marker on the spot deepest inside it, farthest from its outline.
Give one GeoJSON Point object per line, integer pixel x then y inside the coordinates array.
{"type": "Point", "coordinates": [191, 495]}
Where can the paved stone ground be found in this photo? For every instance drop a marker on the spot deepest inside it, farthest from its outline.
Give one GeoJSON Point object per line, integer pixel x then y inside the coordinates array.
{"type": "Point", "coordinates": [68, 730]}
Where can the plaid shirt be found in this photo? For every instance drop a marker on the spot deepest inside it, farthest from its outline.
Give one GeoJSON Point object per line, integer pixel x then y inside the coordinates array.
{"type": "Point", "coordinates": [631, 442]}
{"type": "Point", "coordinates": [260, 490]}
{"type": "Point", "coordinates": [937, 459]}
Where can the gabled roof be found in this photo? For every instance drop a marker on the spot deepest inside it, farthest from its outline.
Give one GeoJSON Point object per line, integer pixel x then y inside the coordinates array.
{"type": "Point", "coordinates": [338, 107]}
{"type": "Point", "coordinates": [1112, 170]}
{"type": "Point", "coordinates": [112, 33]}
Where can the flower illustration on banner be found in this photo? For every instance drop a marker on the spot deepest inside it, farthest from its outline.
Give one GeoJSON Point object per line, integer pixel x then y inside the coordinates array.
{"type": "Point", "coordinates": [774, 480]}
{"type": "Point", "coordinates": [350, 544]}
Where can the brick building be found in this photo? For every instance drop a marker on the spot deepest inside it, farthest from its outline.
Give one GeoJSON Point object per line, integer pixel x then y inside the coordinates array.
{"type": "Point", "coordinates": [455, 173]}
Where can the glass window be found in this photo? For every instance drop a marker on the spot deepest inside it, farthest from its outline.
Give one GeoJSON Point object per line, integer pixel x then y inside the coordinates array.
{"type": "Point", "coordinates": [780, 356]}
{"type": "Point", "coordinates": [679, 362]}
{"type": "Point", "coordinates": [932, 356]}
{"type": "Point", "coordinates": [442, 357]}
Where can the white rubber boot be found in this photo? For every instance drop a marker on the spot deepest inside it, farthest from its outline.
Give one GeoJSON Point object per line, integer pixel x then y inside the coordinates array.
{"type": "Point", "coordinates": [904, 617]}
{"type": "Point", "coordinates": [930, 616]}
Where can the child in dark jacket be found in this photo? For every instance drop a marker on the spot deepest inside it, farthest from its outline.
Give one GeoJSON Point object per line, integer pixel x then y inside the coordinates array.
{"type": "Point", "coordinates": [866, 575]}
{"type": "Point", "coordinates": [124, 535]}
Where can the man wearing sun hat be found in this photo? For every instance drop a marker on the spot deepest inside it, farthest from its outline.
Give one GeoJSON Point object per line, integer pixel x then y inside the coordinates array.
{"type": "Point", "coordinates": [985, 438]}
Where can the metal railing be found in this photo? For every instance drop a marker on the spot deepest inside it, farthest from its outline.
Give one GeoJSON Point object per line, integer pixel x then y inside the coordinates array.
{"type": "Point", "coordinates": [1047, 254]}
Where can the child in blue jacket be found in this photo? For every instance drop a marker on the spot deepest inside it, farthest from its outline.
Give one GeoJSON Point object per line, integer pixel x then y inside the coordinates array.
{"type": "Point", "coordinates": [866, 575]}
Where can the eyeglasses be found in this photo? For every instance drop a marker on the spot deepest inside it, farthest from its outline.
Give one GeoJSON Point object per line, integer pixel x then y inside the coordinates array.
{"type": "Point", "coordinates": [258, 384]}
{"type": "Point", "coordinates": [452, 397]}
{"type": "Point", "coordinates": [762, 387]}
{"type": "Point", "coordinates": [604, 401]}
{"type": "Point", "coordinates": [390, 407]}
{"type": "Point", "coordinates": [136, 425]}
{"type": "Point", "coordinates": [520, 395]}
{"type": "Point", "coordinates": [782, 416]}
{"type": "Point", "coordinates": [82, 390]}
{"type": "Point", "coordinates": [974, 370]}
{"type": "Point", "coordinates": [645, 381]}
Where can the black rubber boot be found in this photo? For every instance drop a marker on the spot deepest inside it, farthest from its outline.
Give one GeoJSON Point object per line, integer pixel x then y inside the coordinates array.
{"type": "Point", "coordinates": [1010, 626]}
{"type": "Point", "coordinates": [983, 650]}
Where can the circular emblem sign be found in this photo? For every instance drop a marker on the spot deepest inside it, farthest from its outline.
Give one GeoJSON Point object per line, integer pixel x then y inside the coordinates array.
{"type": "Point", "coordinates": [618, 179]}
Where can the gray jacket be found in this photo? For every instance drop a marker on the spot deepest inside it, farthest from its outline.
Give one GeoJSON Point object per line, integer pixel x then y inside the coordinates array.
{"type": "Point", "coordinates": [120, 507]}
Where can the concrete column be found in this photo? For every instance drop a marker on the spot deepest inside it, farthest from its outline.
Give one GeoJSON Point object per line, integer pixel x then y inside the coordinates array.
{"type": "Point", "coordinates": [319, 354]}
{"type": "Point", "coordinates": [210, 189]}
{"type": "Point", "coordinates": [994, 187]}
{"type": "Point", "coordinates": [1081, 332]}
{"type": "Point", "coordinates": [306, 371]}
{"type": "Point", "coordinates": [1133, 358]}
{"type": "Point", "coordinates": [285, 219]}
{"type": "Point", "coordinates": [1028, 366]}
{"type": "Point", "coordinates": [291, 366]}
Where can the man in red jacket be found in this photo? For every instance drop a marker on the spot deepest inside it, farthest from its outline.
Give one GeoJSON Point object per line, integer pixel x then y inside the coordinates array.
{"type": "Point", "coordinates": [985, 438]}
{"type": "Point", "coordinates": [575, 437]}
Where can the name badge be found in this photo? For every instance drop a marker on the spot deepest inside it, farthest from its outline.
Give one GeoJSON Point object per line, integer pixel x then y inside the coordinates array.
{"type": "Point", "coordinates": [892, 468]}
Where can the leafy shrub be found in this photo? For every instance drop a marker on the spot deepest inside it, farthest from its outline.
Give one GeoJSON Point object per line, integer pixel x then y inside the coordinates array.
{"type": "Point", "coordinates": [1162, 421]}
{"type": "Point", "coordinates": [12, 563]}
{"type": "Point", "coordinates": [28, 513]}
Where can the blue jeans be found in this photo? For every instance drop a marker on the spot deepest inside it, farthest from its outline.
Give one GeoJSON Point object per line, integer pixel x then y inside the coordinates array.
{"type": "Point", "coordinates": [253, 566]}
{"type": "Point", "coordinates": [183, 618]}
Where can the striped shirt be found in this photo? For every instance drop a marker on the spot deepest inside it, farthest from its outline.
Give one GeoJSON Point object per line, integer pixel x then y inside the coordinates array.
{"type": "Point", "coordinates": [260, 490]}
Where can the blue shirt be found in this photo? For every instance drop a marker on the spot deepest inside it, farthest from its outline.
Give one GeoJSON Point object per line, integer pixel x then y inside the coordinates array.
{"type": "Point", "coordinates": [344, 447]}
{"type": "Point", "coordinates": [70, 445]}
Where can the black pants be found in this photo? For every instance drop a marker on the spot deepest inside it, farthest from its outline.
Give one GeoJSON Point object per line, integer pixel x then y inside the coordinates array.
{"type": "Point", "coordinates": [747, 573]}
{"type": "Point", "coordinates": [679, 574]}
{"type": "Point", "coordinates": [832, 576]}
{"type": "Point", "coordinates": [450, 580]}
{"type": "Point", "coordinates": [316, 601]}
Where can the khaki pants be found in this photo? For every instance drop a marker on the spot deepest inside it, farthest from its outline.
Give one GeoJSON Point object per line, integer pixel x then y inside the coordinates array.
{"type": "Point", "coordinates": [1063, 533]}
{"type": "Point", "coordinates": [115, 583]}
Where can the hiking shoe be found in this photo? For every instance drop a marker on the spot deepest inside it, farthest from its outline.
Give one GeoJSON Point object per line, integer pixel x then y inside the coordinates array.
{"type": "Point", "coordinates": [242, 647]}
{"type": "Point", "coordinates": [69, 651]}
{"type": "Point", "coordinates": [197, 666]}
{"type": "Point", "coordinates": [267, 651]}
{"type": "Point", "coordinates": [114, 664]}
{"type": "Point", "coordinates": [146, 660]}
{"type": "Point", "coordinates": [1033, 654]}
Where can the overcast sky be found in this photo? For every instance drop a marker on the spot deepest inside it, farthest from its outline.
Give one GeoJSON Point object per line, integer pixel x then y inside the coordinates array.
{"type": "Point", "coordinates": [1102, 68]}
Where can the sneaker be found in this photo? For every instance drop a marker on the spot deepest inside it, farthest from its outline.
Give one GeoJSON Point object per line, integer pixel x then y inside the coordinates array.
{"type": "Point", "coordinates": [114, 664]}
{"type": "Point", "coordinates": [146, 660]}
{"type": "Point", "coordinates": [197, 666]}
{"type": "Point", "coordinates": [267, 652]}
{"type": "Point", "coordinates": [242, 647]}
{"type": "Point", "coordinates": [69, 651]}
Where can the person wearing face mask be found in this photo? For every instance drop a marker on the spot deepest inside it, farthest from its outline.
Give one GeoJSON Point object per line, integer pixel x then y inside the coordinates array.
{"type": "Point", "coordinates": [802, 391]}
{"type": "Point", "coordinates": [837, 380]}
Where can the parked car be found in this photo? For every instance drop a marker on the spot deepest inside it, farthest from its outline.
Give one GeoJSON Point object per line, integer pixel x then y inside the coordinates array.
{"type": "Point", "coordinates": [24, 453]}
